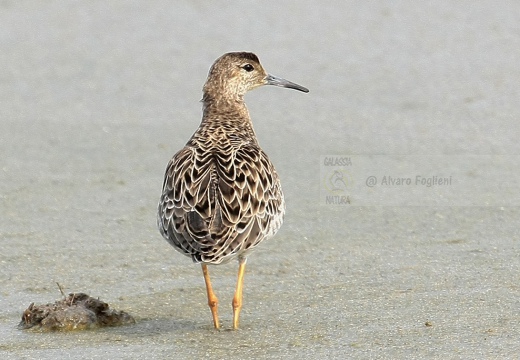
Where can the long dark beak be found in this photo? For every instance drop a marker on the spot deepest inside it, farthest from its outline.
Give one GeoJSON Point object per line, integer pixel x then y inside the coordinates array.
{"type": "Point", "coordinates": [276, 81]}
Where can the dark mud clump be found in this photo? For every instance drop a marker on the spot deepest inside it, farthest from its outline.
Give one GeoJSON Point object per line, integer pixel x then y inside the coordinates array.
{"type": "Point", "coordinates": [77, 311]}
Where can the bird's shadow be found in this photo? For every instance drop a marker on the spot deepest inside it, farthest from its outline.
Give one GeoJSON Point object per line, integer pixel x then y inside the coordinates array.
{"type": "Point", "coordinates": [164, 325]}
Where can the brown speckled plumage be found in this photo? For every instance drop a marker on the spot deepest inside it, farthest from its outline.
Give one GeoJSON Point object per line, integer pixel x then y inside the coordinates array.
{"type": "Point", "coordinates": [221, 194]}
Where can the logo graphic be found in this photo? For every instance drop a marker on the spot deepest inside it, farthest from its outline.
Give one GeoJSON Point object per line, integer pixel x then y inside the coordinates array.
{"type": "Point", "coordinates": [336, 181]}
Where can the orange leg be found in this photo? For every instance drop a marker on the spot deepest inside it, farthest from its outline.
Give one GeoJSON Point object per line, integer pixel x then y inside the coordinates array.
{"type": "Point", "coordinates": [212, 298]}
{"type": "Point", "coordinates": [237, 299]}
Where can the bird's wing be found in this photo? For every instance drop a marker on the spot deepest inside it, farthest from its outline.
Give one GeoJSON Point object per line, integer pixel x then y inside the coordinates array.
{"type": "Point", "coordinates": [215, 204]}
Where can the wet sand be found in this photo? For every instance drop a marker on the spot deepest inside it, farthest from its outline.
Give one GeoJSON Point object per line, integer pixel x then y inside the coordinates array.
{"type": "Point", "coordinates": [95, 98]}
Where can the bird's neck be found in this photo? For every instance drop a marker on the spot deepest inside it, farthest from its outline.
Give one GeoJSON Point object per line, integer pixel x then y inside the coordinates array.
{"type": "Point", "coordinates": [225, 109]}
{"type": "Point", "coordinates": [226, 116]}
{"type": "Point", "coordinates": [222, 99]}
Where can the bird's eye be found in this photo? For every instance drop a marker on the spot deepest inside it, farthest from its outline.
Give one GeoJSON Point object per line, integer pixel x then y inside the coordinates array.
{"type": "Point", "coordinates": [248, 67]}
